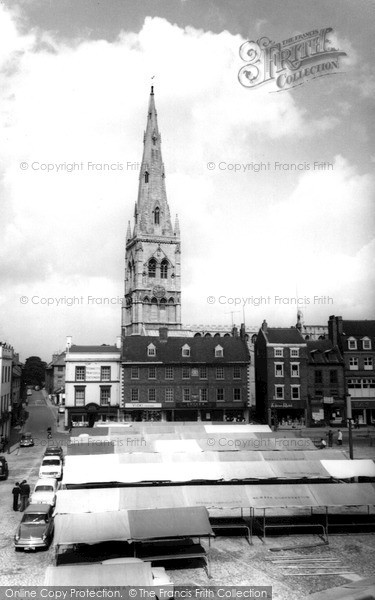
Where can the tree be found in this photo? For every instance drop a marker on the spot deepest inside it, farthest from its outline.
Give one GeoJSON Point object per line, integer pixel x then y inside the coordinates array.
{"type": "Point", "coordinates": [33, 373]}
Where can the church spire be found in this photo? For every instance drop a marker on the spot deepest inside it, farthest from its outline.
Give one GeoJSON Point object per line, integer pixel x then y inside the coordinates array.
{"type": "Point", "coordinates": [152, 205]}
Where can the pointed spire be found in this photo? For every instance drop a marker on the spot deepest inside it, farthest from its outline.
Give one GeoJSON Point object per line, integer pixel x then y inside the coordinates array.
{"type": "Point", "coordinates": [128, 232]}
{"type": "Point", "coordinates": [176, 227]}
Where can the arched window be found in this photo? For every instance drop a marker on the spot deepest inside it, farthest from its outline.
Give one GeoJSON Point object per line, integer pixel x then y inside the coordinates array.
{"type": "Point", "coordinates": [197, 335]}
{"type": "Point", "coordinates": [146, 300]}
{"type": "Point", "coordinates": [164, 269]}
{"type": "Point", "coordinates": [206, 335]}
{"type": "Point", "coordinates": [157, 216]}
{"type": "Point", "coordinates": [146, 176]}
{"type": "Point", "coordinates": [152, 267]}
{"type": "Point", "coordinates": [154, 309]}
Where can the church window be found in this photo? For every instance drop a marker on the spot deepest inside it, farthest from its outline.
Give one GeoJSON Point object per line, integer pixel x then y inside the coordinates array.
{"type": "Point", "coordinates": [164, 269]}
{"type": "Point", "coordinates": [152, 268]}
{"type": "Point", "coordinates": [157, 216]}
{"type": "Point", "coordinates": [146, 176]}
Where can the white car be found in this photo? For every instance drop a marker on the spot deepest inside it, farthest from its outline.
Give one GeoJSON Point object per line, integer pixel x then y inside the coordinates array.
{"type": "Point", "coordinates": [44, 491]}
{"type": "Point", "coordinates": [51, 467]}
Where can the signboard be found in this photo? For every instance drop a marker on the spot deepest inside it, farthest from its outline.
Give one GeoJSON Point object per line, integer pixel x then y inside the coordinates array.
{"type": "Point", "coordinates": [142, 404]}
{"type": "Point", "coordinates": [328, 400]}
{"type": "Point", "coordinates": [92, 372]}
{"type": "Point", "coordinates": [195, 404]}
{"type": "Point", "coordinates": [281, 404]}
{"type": "Point", "coordinates": [318, 415]}
{"type": "Point", "coordinates": [194, 372]}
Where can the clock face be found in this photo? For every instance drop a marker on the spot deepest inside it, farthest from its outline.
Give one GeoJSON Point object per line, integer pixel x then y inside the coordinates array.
{"type": "Point", "coordinates": [158, 291]}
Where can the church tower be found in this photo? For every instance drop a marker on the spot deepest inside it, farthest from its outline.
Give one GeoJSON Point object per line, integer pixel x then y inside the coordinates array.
{"type": "Point", "coordinates": [153, 251]}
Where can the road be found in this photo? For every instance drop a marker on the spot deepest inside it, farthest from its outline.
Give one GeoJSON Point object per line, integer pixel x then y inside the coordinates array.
{"type": "Point", "coordinates": [18, 568]}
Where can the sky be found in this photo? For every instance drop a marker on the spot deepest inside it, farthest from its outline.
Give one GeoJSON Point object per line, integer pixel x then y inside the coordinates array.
{"type": "Point", "coordinates": [75, 77]}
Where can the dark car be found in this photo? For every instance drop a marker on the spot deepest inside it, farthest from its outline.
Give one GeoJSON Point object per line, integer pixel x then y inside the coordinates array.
{"type": "Point", "coordinates": [54, 451]}
{"type": "Point", "coordinates": [36, 528]}
{"type": "Point", "coordinates": [26, 440]}
{"type": "Point", "coordinates": [4, 469]}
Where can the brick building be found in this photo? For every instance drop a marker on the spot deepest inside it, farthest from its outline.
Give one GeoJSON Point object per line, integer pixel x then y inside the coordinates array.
{"type": "Point", "coordinates": [55, 377]}
{"type": "Point", "coordinates": [185, 378]}
{"type": "Point", "coordinates": [281, 376]}
{"type": "Point", "coordinates": [325, 383]}
{"type": "Point", "coordinates": [6, 364]}
{"type": "Point", "coordinates": [356, 340]}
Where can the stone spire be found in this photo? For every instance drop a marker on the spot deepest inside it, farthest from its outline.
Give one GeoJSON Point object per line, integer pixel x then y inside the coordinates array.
{"type": "Point", "coordinates": [176, 227]}
{"type": "Point", "coordinates": [153, 217]}
{"type": "Point", "coordinates": [128, 232]}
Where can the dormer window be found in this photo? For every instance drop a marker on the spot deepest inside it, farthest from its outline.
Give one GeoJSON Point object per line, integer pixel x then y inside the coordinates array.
{"type": "Point", "coordinates": [152, 268]}
{"type": "Point", "coordinates": [352, 344]}
{"type": "Point", "coordinates": [164, 269]}
{"type": "Point", "coordinates": [366, 343]}
{"type": "Point", "coordinates": [146, 176]}
{"type": "Point", "coordinates": [186, 350]}
{"type": "Point", "coordinates": [157, 216]}
{"type": "Point", "coordinates": [151, 350]}
{"type": "Point", "coordinates": [219, 352]}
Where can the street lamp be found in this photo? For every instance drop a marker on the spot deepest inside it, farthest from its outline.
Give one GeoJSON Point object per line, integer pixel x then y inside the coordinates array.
{"type": "Point", "coordinates": [350, 423]}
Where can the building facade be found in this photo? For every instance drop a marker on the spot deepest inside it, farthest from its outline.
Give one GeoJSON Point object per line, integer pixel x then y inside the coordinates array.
{"type": "Point", "coordinates": [326, 383]}
{"type": "Point", "coordinates": [6, 365]}
{"type": "Point", "coordinates": [281, 376]}
{"type": "Point", "coordinates": [356, 340]}
{"type": "Point", "coordinates": [55, 377]}
{"type": "Point", "coordinates": [153, 247]}
{"type": "Point", "coordinates": [185, 378]}
{"type": "Point", "coordinates": [92, 384]}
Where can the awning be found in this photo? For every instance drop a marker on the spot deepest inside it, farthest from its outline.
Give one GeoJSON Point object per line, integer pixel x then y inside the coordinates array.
{"type": "Point", "coordinates": [346, 494]}
{"type": "Point", "coordinates": [131, 525]}
{"type": "Point", "coordinates": [171, 446]}
{"type": "Point", "coordinates": [340, 469]}
{"type": "Point", "coordinates": [307, 469]}
{"type": "Point", "coordinates": [133, 573]}
{"type": "Point", "coordinates": [280, 496]}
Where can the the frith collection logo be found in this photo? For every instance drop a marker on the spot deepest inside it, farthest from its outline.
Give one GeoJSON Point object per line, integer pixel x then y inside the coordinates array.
{"type": "Point", "coordinates": [289, 63]}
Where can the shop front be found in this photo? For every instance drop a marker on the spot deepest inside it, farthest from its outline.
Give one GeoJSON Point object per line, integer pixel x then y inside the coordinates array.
{"type": "Point", "coordinates": [287, 415]}
{"type": "Point", "coordinates": [87, 416]}
{"type": "Point", "coordinates": [142, 411]}
{"type": "Point", "coordinates": [363, 412]}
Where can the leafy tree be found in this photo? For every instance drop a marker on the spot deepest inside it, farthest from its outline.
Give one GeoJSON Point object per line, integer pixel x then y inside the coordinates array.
{"type": "Point", "coordinates": [33, 373]}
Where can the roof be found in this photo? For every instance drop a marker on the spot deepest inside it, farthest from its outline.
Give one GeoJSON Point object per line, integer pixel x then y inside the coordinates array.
{"type": "Point", "coordinates": [134, 574]}
{"type": "Point", "coordinates": [92, 349]}
{"type": "Point", "coordinates": [202, 350]}
{"type": "Point", "coordinates": [57, 362]}
{"type": "Point", "coordinates": [39, 508]}
{"type": "Point", "coordinates": [323, 351]}
{"type": "Point", "coordinates": [283, 335]}
{"type": "Point", "coordinates": [359, 329]}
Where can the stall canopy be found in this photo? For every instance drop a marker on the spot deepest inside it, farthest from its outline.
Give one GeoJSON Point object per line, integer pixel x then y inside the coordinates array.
{"type": "Point", "coordinates": [350, 468]}
{"type": "Point", "coordinates": [134, 573]}
{"type": "Point", "coordinates": [212, 497]}
{"type": "Point", "coordinates": [131, 525]}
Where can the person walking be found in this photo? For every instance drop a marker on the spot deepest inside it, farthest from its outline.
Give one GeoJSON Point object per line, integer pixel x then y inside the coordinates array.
{"type": "Point", "coordinates": [16, 494]}
{"type": "Point", "coordinates": [323, 444]}
{"type": "Point", "coordinates": [330, 438]}
{"type": "Point", "coordinates": [339, 437]}
{"type": "Point", "coordinates": [25, 493]}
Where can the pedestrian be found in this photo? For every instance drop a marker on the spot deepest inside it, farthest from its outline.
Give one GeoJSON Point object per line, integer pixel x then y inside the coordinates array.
{"type": "Point", "coordinates": [16, 494]}
{"type": "Point", "coordinates": [356, 423]}
{"type": "Point", "coordinates": [330, 438]}
{"type": "Point", "coordinates": [323, 444]}
{"type": "Point", "coordinates": [339, 437]}
{"type": "Point", "coordinates": [24, 493]}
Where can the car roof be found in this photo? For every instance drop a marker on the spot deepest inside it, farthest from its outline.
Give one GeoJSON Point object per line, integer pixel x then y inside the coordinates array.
{"type": "Point", "coordinates": [46, 481]}
{"type": "Point", "coordinates": [53, 449]}
{"type": "Point", "coordinates": [38, 508]}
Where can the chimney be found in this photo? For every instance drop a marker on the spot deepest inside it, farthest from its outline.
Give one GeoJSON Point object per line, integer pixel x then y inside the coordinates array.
{"type": "Point", "coordinates": [118, 342]}
{"type": "Point", "coordinates": [264, 326]}
{"type": "Point", "coordinates": [335, 330]}
{"type": "Point", "coordinates": [234, 331]}
{"type": "Point", "coordinates": [242, 331]}
{"type": "Point", "coordinates": [68, 341]}
{"type": "Point", "coordinates": [163, 334]}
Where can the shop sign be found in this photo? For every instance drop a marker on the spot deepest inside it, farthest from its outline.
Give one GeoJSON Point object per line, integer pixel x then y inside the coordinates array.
{"type": "Point", "coordinates": [142, 404]}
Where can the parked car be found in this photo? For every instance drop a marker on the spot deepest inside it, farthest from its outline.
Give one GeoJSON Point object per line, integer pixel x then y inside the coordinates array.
{"type": "Point", "coordinates": [337, 422]}
{"type": "Point", "coordinates": [36, 528]}
{"type": "Point", "coordinates": [45, 492]}
{"type": "Point", "coordinates": [51, 467]}
{"type": "Point", "coordinates": [54, 451]}
{"type": "Point", "coordinates": [4, 469]}
{"type": "Point", "coordinates": [26, 440]}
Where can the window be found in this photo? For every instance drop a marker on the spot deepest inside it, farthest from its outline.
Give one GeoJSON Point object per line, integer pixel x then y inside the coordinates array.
{"type": "Point", "coordinates": [333, 376]}
{"type": "Point", "coordinates": [146, 176]}
{"type": "Point", "coordinates": [169, 373]}
{"type": "Point", "coordinates": [294, 369]}
{"type": "Point", "coordinates": [186, 350]}
{"type": "Point", "coordinates": [278, 352]}
{"type": "Point", "coordinates": [152, 372]}
{"type": "Point", "coordinates": [60, 369]}
{"type": "Point", "coordinates": [279, 392]}
{"type": "Point", "coordinates": [203, 373]}
{"type": "Point", "coordinates": [295, 392]}
{"type": "Point", "coordinates": [294, 352]}
{"type": "Point", "coordinates": [105, 373]}
{"type": "Point", "coordinates": [185, 372]}
{"type": "Point", "coordinates": [164, 269]}
{"type": "Point", "coordinates": [169, 395]}
{"type": "Point", "coordinates": [352, 344]}
{"type": "Point", "coordinates": [157, 216]}
{"type": "Point", "coordinates": [353, 364]}
{"type": "Point", "coordinates": [319, 394]}
{"type": "Point", "coordinates": [203, 395]}
{"type": "Point", "coordinates": [134, 373]}
{"type": "Point", "coordinates": [236, 372]}
{"type": "Point", "coordinates": [151, 350]}
{"type": "Point", "coordinates": [80, 373]}
{"type": "Point", "coordinates": [237, 394]}
{"type": "Point", "coordinates": [79, 396]}
{"type": "Point", "coordinates": [279, 369]}
{"type": "Point", "coordinates": [219, 352]}
{"type": "Point", "coordinates": [152, 268]}
{"type": "Point", "coordinates": [151, 394]}
{"type": "Point", "coordinates": [219, 372]}
{"type": "Point", "coordinates": [186, 395]}
{"type": "Point", "coordinates": [135, 394]}
{"type": "Point", "coordinates": [318, 377]}
{"type": "Point", "coordinates": [105, 395]}
{"type": "Point", "coordinates": [366, 343]}
{"type": "Point", "coordinates": [220, 394]}
{"type": "Point", "coordinates": [367, 363]}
